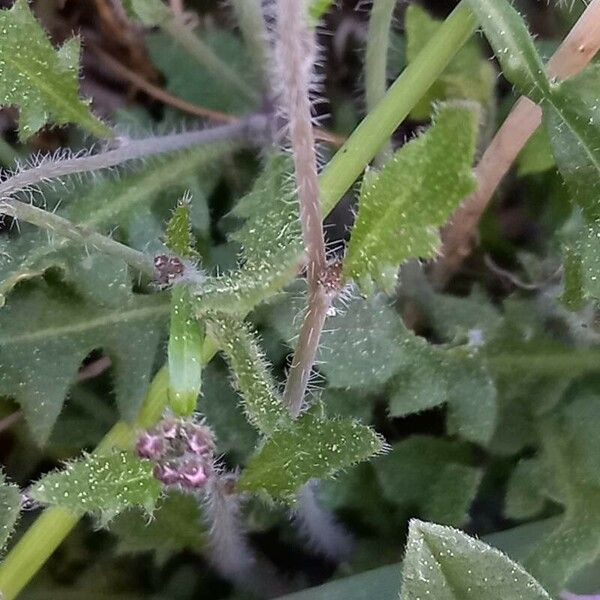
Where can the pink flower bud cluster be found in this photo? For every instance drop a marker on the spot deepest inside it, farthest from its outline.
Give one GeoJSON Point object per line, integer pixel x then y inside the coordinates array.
{"type": "Point", "coordinates": [183, 451]}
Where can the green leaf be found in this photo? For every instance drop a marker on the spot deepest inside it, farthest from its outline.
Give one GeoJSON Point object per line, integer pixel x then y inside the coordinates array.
{"type": "Point", "coordinates": [431, 475]}
{"type": "Point", "coordinates": [107, 204]}
{"type": "Point", "coordinates": [186, 340]}
{"type": "Point", "coordinates": [100, 485]}
{"type": "Point", "coordinates": [150, 12]}
{"type": "Point", "coordinates": [525, 493]}
{"type": "Point", "coordinates": [271, 239]}
{"type": "Point", "coordinates": [262, 403]}
{"type": "Point", "coordinates": [364, 345]}
{"type": "Point", "coordinates": [446, 564]}
{"type": "Point", "coordinates": [569, 454]}
{"type": "Point", "coordinates": [469, 76]}
{"type": "Point", "coordinates": [190, 81]}
{"type": "Point", "coordinates": [403, 205]}
{"type": "Point", "coordinates": [318, 8]}
{"type": "Point", "coordinates": [572, 117]}
{"type": "Point", "coordinates": [311, 448]}
{"type": "Point", "coordinates": [47, 334]}
{"type": "Point", "coordinates": [513, 45]}
{"type": "Point", "coordinates": [176, 525]}
{"type": "Point", "coordinates": [536, 156]}
{"type": "Point", "coordinates": [455, 377]}
{"type": "Point", "coordinates": [39, 80]}
{"type": "Point", "coordinates": [383, 583]}
{"type": "Point", "coordinates": [10, 509]}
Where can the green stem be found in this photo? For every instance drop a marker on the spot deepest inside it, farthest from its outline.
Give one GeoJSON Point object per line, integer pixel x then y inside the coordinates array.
{"type": "Point", "coordinates": [58, 225]}
{"type": "Point", "coordinates": [205, 56]}
{"type": "Point", "coordinates": [362, 146]}
{"type": "Point", "coordinates": [378, 43]}
{"type": "Point", "coordinates": [44, 536]}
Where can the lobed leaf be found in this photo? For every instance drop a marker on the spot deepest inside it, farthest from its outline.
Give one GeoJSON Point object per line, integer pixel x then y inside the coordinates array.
{"type": "Point", "coordinates": [10, 509]}
{"type": "Point", "coordinates": [46, 334]}
{"type": "Point", "coordinates": [434, 377]}
{"type": "Point", "coordinates": [446, 564]}
{"type": "Point", "coordinates": [103, 486]}
{"type": "Point", "coordinates": [311, 448]}
{"type": "Point", "coordinates": [513, 45]}
{"type": "Point", "coordinates": [271, 239]}
{"type": "Point", "coordinates": [402, 206]}
{"type": "Point", "coordinates": [262, 403]}
{"type": "Point", "coordinates": [39, 80]}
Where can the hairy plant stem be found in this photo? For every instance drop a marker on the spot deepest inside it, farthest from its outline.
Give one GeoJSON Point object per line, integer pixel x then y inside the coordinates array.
{"type": "Point", "coordinates": [251, 129]}
{"type": "Point", "coordinates": [378, 43]}
{"type": "Point", "coordinates": [296, 48]}
{"type": "Point", "coordinates": [576, 51]}
{"type": "Point", "coordinates": [89, 238]}
{"type": "Point", "coordinates": [53, 525]}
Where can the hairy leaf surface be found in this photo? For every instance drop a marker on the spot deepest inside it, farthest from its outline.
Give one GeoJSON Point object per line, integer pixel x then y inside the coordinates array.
{"type": "Point", "coordinates": [100, 485]}
{"type": "Point", "coordinates": [271, 240]}
{"type": "Point", "coordinates": [513, 45]}
{"type": "Point", "coordinates": [40, 81]}
{"type": "Point", "coordinates": [311, 448]}
{"type": "Point", "coordinates": [10, 509]}
{"type": "Point", "coordinates": [446, 564]}
{"type": "Point", "coordinates": [106, 205]}
{"type": "Point", "coordinates": [402, 206]}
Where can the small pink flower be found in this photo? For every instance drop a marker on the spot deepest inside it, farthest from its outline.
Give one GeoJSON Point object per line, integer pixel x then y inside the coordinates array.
{"type": "Point", "coordinates": [167, 473]}
{"type": "Point", "coordinates": [192, 474]}
{"type": "Point", "coordinates": [150, 446]}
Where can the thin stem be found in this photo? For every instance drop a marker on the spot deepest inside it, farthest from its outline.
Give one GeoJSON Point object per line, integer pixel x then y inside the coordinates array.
{"type": "Point", "coordinates": [187, 107]}
{"type": "Point", "coordinates": [47, 532]}
{"type": "Point", "coordinates": [576, 51]}
{"type": "Point", "coordinates": [229, 550]}
{"type": "Point", "coordinates": [296, 48]}
{"type": "Point", "coordinates": [160, 94]}
{"type": "Point", "coordinates": [205, 56]}
{"type": "Point", "coordinates": [306, 350]}
{"type": "Point", "coordinates": [249, 129]}
{"type": "Point", "coordinates": [251, 20]}
{"type": "Point", "coordinates": [77, 233]}
{"type": "Point", "coordinates": [378, 43]}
